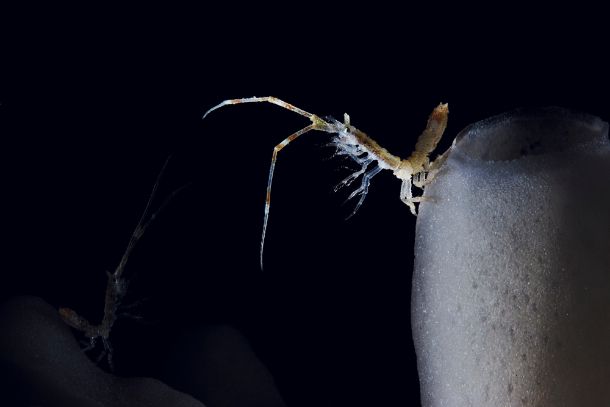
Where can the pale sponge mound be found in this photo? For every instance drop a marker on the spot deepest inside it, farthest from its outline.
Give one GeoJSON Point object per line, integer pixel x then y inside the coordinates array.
{"type": "Point", "coordinates": [42, 365]}
{"type": "Point", "coordinates": [511, 289]}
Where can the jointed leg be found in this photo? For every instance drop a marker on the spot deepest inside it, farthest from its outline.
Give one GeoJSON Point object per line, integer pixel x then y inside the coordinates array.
{"type": "Point", "coordinates": [108, 350]}
{"type": "Point", "coordinates": [406, 195]}
{"type": "Point", "coordinates": [431, 170]}
{"type": "Point", "coordinates": [364, 188]}
{"type": "Point", "coordinates": [89, 345]}
{"type": "Point", "coordinates": [352, 177]}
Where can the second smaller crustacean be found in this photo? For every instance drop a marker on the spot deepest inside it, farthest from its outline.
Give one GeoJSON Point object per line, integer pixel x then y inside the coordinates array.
{"type": "Point", "coordinates": [116, 287]}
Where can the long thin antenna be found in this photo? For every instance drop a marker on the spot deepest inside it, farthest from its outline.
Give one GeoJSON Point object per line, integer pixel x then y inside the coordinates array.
{"type": "Point", "coordinates": [316, 124]}
{"type": "Point", "coordinates": [276, 150]}
{"type": "Point", "coordinates": [142, 223]}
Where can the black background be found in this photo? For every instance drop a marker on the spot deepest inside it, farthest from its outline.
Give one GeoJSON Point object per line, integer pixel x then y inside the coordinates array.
{"type": "Point", "coordinates": [94, 100]}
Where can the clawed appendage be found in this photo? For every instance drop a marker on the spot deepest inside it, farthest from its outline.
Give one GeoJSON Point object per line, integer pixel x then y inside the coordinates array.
{"type": "Point", "coordinates": [92, 333]}
{"type": "Point", "coordinates": [416, 170]}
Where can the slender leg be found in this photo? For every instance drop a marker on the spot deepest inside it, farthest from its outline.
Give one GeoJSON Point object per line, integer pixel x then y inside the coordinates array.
{"type": "Point", "coordinates": [101, 356]}
{"type": "Point", "coordinates": [406, 196]}
{"type": "Point", "coordinates": [90, 345]}
{"type": "Point", "coordinates": [135, 304]}
{"type": "Point", "coordinates": [343, 149]}
{"type": "Point", "coordinates": [130, 316]}
{"type": "Point", "coordinates": [108, 350]}
{"type": "Point", "coordinates": [419, 179]}
{"type": "Point", "coordinates": [364, 189]}
{"type": "Point", "coordinates": [352, 177]}
{"type": "Point", "coordinates": [434, 168]}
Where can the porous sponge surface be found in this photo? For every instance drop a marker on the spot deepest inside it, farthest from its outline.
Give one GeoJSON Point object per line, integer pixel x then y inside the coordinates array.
{"type": "Point", "coordinates": [511, 288]}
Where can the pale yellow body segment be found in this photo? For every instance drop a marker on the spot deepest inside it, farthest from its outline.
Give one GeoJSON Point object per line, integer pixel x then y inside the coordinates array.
{"type": "Point", "coordinates": [415, 170]}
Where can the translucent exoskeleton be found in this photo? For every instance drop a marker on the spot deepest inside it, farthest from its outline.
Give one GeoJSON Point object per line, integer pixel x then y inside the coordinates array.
{"type": "Point", "coordinates": [116, 287]}
{"type": "Point", "coordinates": [416, 170]}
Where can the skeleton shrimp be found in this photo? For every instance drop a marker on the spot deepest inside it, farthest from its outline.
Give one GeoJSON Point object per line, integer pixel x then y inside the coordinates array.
{"type": "Point", "coordinates": [416, 170]}
{"type": "Point", "coordinates": [116, 287]}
